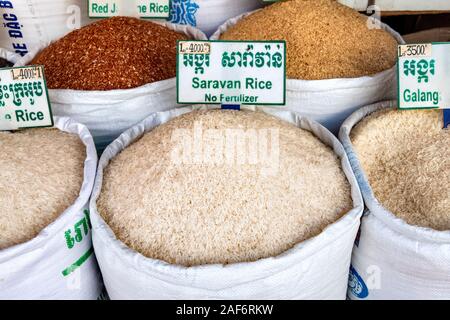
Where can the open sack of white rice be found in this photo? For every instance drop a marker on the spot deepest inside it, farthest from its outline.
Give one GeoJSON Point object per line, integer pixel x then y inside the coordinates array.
{"type": "Point", "coordinates": [401, 159]}
{"type": "Point", "coordinates": [225, 204]}
{"type": "Point", "coordinates": [46, 178]}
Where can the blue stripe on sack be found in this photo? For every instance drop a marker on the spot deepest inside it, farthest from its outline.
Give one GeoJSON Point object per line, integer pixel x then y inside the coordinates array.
{"type": "Point", "coordinates": [231, 107]}
{"type": "Point", "coordinates": [356, 284]}
{"type": "Point", "coordinates": [446, 118]}
{"type": "Point", "coordinates": [183, 12]}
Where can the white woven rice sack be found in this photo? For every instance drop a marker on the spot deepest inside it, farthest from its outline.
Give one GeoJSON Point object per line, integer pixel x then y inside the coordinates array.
{"type": "Point", "coordinates": [109, 113]}
{"type": "Point", "coordinates": [331, 101]}
{"type": "Point", "coordinates": [208, 15]}
{"type": "Point", "coordinates": [45, 267]}
{"type": "Point", "coordinates": [29, 24]}
{"type": "Point", "coordinates": [392, 259]}
{"type": "Point", "coordinates": [314, 269]}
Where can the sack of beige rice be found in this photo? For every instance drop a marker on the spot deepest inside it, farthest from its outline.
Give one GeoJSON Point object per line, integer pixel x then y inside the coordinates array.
{"type": "Point", "coordinates": [401, 159]}
{"type": "Point", "coordinates": [225, 204]}
{"type": "Point", "coordinates": [208, 15]}
{"type": "Point", "coordinates": [29, 24]}
{"type": "Point", "coordinates": [46, 178]}
{"type": "Point", "coordinates": [337, 59]}
{"type": "Point", "coordinates": [113, 73]}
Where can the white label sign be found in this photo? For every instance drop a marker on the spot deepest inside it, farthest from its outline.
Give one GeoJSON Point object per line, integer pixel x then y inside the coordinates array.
{"type": "Point", "coordinates": [132, 8]}
{"type": "Point", "coordinates": [424, 76]}
{"type": "Point", "coordinates": [24, 99]}
{"type": "Point", "coordinates": [231, 72]}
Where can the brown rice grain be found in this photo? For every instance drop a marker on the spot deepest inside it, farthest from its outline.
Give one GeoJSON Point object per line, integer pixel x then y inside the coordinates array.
{"type": "Point", "coordinates": [325, 39]}
{"type": "Point", "coordinates": [115, 53]}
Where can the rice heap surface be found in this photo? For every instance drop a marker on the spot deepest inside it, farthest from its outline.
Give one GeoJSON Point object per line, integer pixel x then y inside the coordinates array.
{"type": "Point", "coordinates": [324, 39]}
{"type": "Point", "coordinates": [115, 53]}
{"type": "Point", "coordinates": [406, 157]}
{"type": "Point", "coordinates": [205, 212]}
{"type": "Point", "coordinates": [41, 173]}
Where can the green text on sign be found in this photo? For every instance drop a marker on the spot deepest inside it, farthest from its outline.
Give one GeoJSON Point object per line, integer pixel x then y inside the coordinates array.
{"type": "Point", "coordinates": [133, 8]}
{"type": "Point", "coordinates": [24, 99]}
{"type": "Point", "coordinates": [424, 76]}
{"type": "Point", "coordinates": [231, 72]}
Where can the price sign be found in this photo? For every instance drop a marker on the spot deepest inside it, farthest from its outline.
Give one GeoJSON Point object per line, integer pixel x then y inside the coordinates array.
{"type": "Point", "coordinates": [231, 72]}
{"type": "Point", "coordinates": [24, 101]}
{"type": "Point", "coordinates": [134, 8]}
{"type": "Point", "coordinates": [424, 76]}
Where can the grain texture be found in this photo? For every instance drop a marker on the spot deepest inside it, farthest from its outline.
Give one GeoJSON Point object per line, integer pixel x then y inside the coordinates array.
{"type": "Point", "coordinates": [324, 39]}
{"type": "Point", "coordinates": [406, 157]}
{"type": "Point", "coordinates": [115, 53]}
{"type": "Point", "coordinates": [41, 173]}
{"type": "Point", "coordinates": [195, 213]}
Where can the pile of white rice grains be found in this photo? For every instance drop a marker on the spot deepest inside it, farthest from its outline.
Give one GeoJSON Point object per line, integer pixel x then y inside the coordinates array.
{"type": "Point", "coordinates": [169, 199]}
{"type": "Point", "coordinates": [41, 173]}
{"type": "Point", "coordinates": [406, 157]}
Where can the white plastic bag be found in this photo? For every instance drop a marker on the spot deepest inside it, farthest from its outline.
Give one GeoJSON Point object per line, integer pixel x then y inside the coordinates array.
{"type": "Point", "coordinates": [208, 15]}
{"type": "Point", "coordinates": [59, 263]}
{"type": "Point", "coordinates": [331, 101]}
{"type": "Point", "coordinates": [32, 23]}
{"type": "Point", "coordinates": [109, 113]}
{"type": "Point", "coordinates": [392, 259]}
{"type": "Point", "coordinates": [314, 269]}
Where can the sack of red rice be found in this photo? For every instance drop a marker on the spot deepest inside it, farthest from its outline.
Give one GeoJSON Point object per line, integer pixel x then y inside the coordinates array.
{"type": "Point", "coordinates": [208, 15]}
{"type": "Point", "coordinates": [113, 73]}
{"type": "Point", "coordinates": [46, 178]}
{"type": "Point", "coordinates": [402, 162]}
{"type": "Point", "coordinates": [337, 59]}
{"type": "Point", "coordinates": [225, 205]}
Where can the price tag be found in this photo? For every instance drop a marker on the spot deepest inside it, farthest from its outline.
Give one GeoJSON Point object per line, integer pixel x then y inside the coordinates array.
{"type": "Point", "coordinates": [154, 9]}
{"type": "Point", "coordinates": [194, 47]}
{"type": "Point", "coordinates": [415, 50]}
{"type": "Point", "coordinates": [231, 72]}
{"type": "Point", "coordinates": [424, 76]}
{"type": "Point", "coordinates": [24, 101]}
